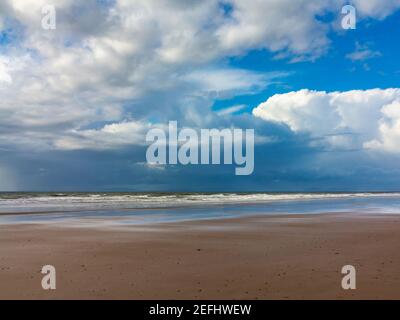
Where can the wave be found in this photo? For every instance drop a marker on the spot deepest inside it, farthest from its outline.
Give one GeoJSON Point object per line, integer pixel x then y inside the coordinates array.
{"type": "Point", "coordinates": [51, 202]}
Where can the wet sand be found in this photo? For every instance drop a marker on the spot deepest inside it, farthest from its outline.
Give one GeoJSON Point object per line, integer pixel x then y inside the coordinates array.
{"type": "Point", "coordinates": [262, 257]}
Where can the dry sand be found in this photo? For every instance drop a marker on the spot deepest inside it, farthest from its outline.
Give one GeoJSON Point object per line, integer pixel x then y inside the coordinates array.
{"type": "Point", "coordinates": [263, 257]}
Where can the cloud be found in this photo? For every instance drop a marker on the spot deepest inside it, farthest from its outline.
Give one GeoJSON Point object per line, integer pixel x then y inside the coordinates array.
{"type": "Point", "coordinates": [362, 52]}
{"type": "Point", "coordinates": [7, 179]}
{"type": "Point", "coordinates": [111, 136]}
{"type": "Point", "coordinates": [231, 110]}
{"type": "Point", "coordinates": [389, 130]}
{"type": "Point", "coordinates": [350, 119]}
{"type": "Point", "coordinates": [378, 9]}
{"type": "Point", "coordinates": [232, 81]}
{"type": "Point", "coordinates": [107, 61]}
{"type": "Point", "coordinates": [279, 26]}
{"type": "Point", "coordinates": [112, 68]}
{"type": "Point", "coordinates": [4, 72]}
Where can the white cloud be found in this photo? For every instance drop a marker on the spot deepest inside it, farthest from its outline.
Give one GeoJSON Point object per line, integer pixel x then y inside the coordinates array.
{"type": "Point", "coordinates": [351, 119]}
{"type": "Point", "coordinates": [110, 136]}
{"type": "Point", "coordinates": [362, 52]}
{"type": "Point", "coordinates": [389, 129]}
{"type": "Point", "coordinates": [107, 63]}
{"type": "Point", "coordinates": [4, 70]}
{"type": "Point", "coordinates": [228, 81]}
{"type": "Point", "coordinates": [280, 26]}
{"type": "Point", "coordinates": [231, 110]}
{"type": "Point", "coordinates": [378, 9]}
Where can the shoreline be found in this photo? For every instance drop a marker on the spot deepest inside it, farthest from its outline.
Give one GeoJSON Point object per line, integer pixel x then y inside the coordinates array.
{"type": "Point", "coordinates": [295, 256]}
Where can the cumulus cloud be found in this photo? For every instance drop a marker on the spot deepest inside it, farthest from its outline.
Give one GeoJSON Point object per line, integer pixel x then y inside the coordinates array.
{"type": "Point", "coordinates": [378, 9]}
{"type": "Point", "coordinates": [389, 129]}
{"type": "Point", "coordinates": [107, 59]}
{"type": "Point", "coordinates": [110, 136]}
{"type": "Point", "coordinates": [112, 67]}
{"type": "Point", "coordinates": [350, 119]}
{"type": "Point", "coordinates": [280, 26]}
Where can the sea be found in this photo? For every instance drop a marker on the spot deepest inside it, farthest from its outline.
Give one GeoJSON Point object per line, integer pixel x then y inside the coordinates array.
{"type": "Point", "coordinates": [86, 208]}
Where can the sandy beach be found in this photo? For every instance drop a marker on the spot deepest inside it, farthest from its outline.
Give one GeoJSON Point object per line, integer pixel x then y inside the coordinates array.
{"type": "Point", "coordinates": [260, 257]}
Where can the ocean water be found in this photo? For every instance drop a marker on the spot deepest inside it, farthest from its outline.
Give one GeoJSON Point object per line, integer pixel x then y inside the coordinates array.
{"type": "Point", "coordinates": [148, 208]}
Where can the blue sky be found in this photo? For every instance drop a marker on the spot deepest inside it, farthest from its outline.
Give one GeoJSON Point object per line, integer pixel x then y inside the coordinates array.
{"type": "Point", "coordinates": [77, 101]}
{"type": "Point", "coordinates": [333, 71]}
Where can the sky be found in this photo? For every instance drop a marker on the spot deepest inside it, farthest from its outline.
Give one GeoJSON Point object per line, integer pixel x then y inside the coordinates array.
{"type": "Point", "coordinates": [77, 101]}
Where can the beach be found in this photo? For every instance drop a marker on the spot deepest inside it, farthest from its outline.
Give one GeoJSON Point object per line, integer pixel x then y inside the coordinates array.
{"type": "Point", "coordinates": [199, 150]}
{"type": "Point", "coordinates": [252, 257]}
